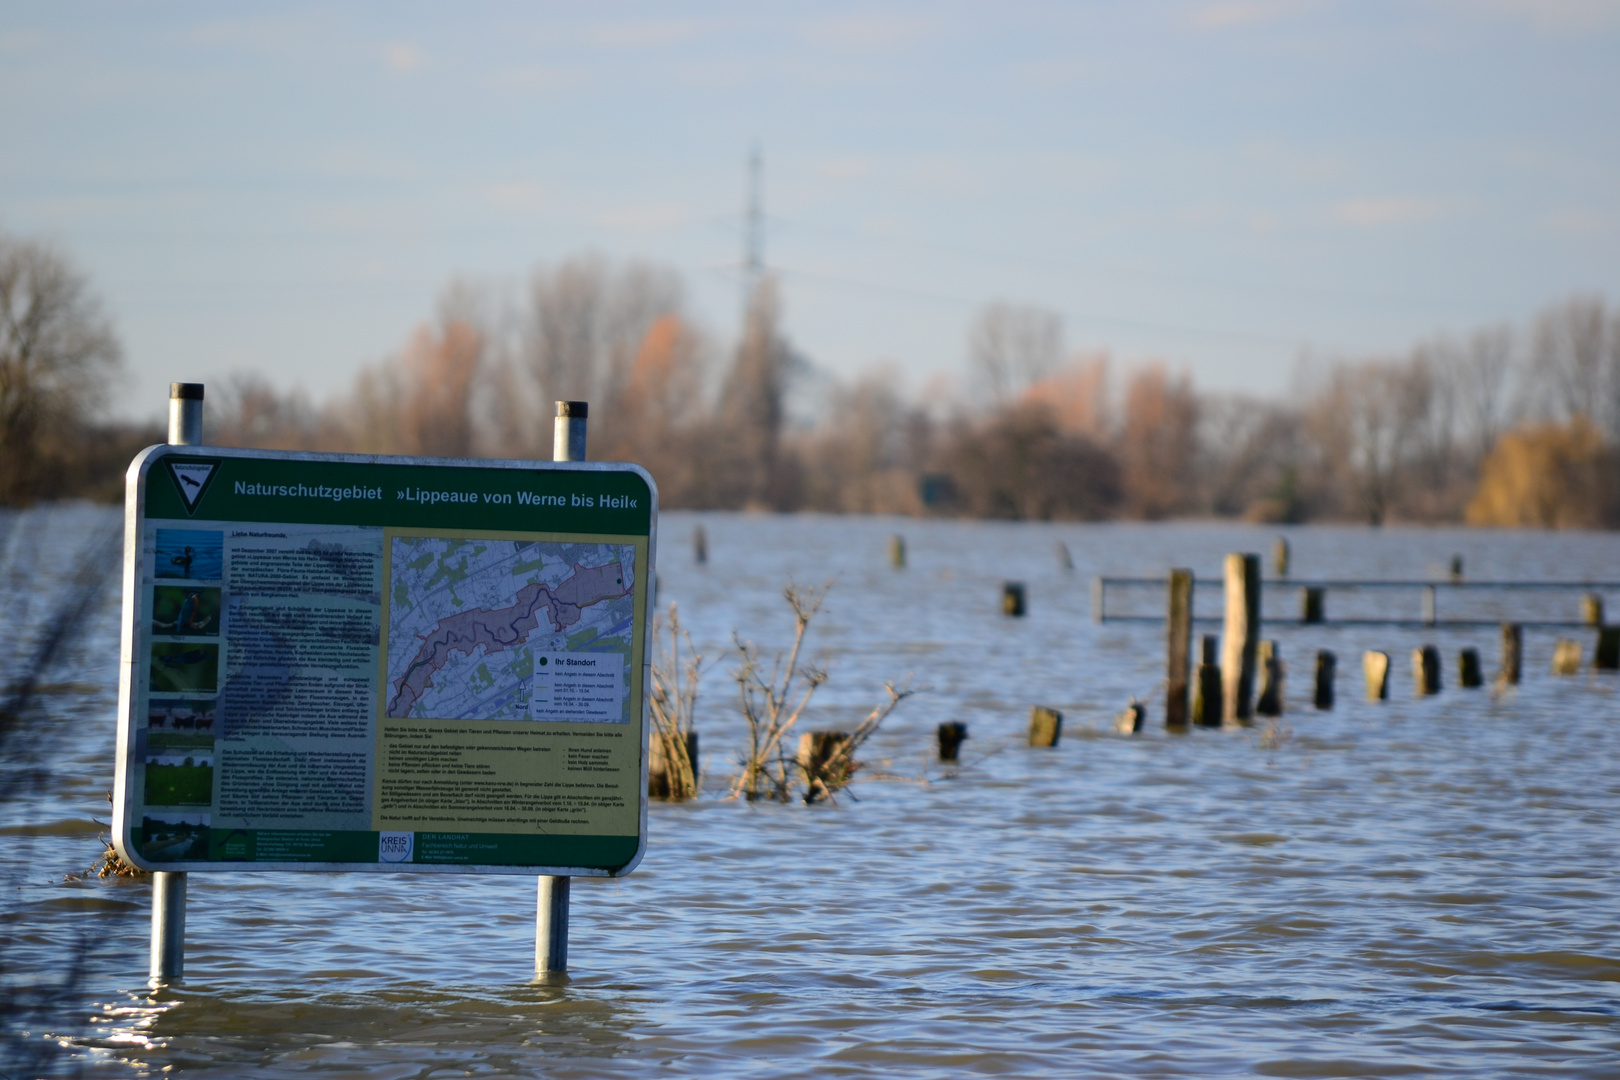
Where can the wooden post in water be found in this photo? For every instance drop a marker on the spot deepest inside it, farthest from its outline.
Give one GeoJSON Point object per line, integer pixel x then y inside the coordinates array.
{"type": "Point", "coordinates": [1012, 599]}
{"type": "Point", "coordinates": [1566, 657]}
{"type": "Point", "coordinates": [1606, 657]}
{"type": "Point", "coordinates": [1279, 556]}
{"type": "Point", "coordinates": [897, 551]}
{"type": "Point", "coordinates": [1045, 725]}
{"type": "Point", "coordinates": [1426, 670]}
{"type": "Point", "coordinates": [1456, 568]}
{"type": "Point", "coordinates": [1592, 609]}
{"type": "Point", "coordinates": [1469, 675]}
{"type": "Point", "coordinates": [1269, 702]}
{"type": "Point", "coordinates": [1326, 662]}
{"type": "Point", "coordinates": [951, 735]}
{"type": "Point", "coordinates": [1131, 720]}
{"type": "Point", "coordinates": [1242, 634]}
{"type": "Point", "coordinates": [1065, 561]}
{"type": "Point", "coordinates": [700, 544]}
{"type": "Point", "coordinates": [1098, 612]}
{"type": "Point", "coordinates": [1375, 665]}
{"type": "Point", "coordinates": [1310, 604]}
{"type": "Point", "coordinates": [1512, 655]}
{"type": "Point", "coordinates": [1430, 608]}
{"type": "Point", "coordinates": [1207, 687]}
{"type": "Point", "coordinates": [820, 762]}
{"type": "Point", "coordinates": [1178, 646]}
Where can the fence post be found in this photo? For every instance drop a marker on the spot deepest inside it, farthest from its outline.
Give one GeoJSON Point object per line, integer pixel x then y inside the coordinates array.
{"type": "Point", "coordinates": [1241, 636]}
{"type": "Point", "coordinates": [1375, 666]}
{"type": "Point", "coordinates": [1512, 654]}
{"type": "Point", "coordinates": [1325, 664]}
{"type": "Point", "coordinates": [1178, 646]}
{"type": "Point", "coordinates": [1426, 670]}
{"type": "Point", "coordinates": [1207, 690]}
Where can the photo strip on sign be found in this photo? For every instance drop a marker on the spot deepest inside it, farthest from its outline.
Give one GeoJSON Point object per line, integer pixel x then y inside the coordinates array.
{"type": "Point", "coordinates": [344, 662]}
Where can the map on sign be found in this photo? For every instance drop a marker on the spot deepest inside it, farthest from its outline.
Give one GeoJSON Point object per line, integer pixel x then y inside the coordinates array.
{"type": "Point", "coordinates": [484, 629]}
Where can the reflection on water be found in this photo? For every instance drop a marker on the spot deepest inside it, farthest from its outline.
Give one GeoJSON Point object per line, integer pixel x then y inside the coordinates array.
{"type": "Point", "coordinates": [1420, 887]}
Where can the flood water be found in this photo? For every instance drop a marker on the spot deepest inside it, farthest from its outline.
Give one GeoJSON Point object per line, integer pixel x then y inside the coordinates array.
{"type": "Point", "coordinates": [1414, 887]}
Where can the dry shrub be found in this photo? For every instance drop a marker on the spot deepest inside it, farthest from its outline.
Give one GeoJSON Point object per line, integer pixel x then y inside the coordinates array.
{"type": "Point", "coordinates": [1551, 476]}
{"type": "Point", "coordinates": [673, 705]}
{"type": "Point", "coordinates": [772, 704]}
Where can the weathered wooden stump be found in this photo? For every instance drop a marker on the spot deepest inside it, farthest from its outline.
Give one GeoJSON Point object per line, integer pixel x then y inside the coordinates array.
{"type": "Point", "coordinates": [1592, 609]}
{"type": "Point", "coordinates": [1566, 657]}
{"type": "Point", "coordinates": [1425, 670]}
{"type": "Point", "coordinates": [700, 545]}
{"type": "Point", "coordinates": [1178, 646]}
{"type": "Point", "coordinates": [1326, 665]}
{"type": "Point", "coordinates": [1269, 702]}
{"type": "Point", "coordinates": [1239, 643]}
{"type": "Point", "coordinates": [1375, 666]}
{"type": "Point", "coordinates": [1606, 657]}
{"type": "Point", "coordinates": [1206, 710]}
{"type": "Point", "coordinates": [1065, 561]}
{"type": "Point", "coordinates": [1045, 725]}
{"type": "Point", "coordinates": [1512, 655]}
{"type": "Point", "coordinates": [661, 784]}
{"type": "Point", "coordinates": [1456, 568]}
{"type": "Point", "coordinates": [1469, 675]}
{"type": "Point", "coordinates": [1012, 599]}
{"type": "Point", "coordinates": [1279, 556]}
{"type": "Point", "coordinates": [1130, 721]}
{"type": "Point", "coordinates": [823, 758]}
{"type": "Point", "coordinates": [897, 551]}
{"type": "Point", "coordinates": [951, 735]}
{"type": "Point", "coordinates": [1311, 604]}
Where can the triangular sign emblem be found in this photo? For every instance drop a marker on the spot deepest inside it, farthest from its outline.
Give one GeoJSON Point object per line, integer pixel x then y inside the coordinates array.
{"type": "Point", "coordinates": [192, 478]}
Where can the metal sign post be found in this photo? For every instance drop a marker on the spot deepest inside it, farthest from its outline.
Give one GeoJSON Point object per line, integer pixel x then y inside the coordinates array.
{"type": "Point", "coordinates": [551, 916]}
{"type": "Point", "coordinates": [383, 664]}
{"type": "Point", "coordinates": [168, 959]}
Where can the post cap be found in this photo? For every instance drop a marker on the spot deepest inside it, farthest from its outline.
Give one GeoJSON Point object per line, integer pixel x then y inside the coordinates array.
{"type": "Point", "coordinates": [185, 391]}
{"type": "Point", "coordinates": [577, 410]}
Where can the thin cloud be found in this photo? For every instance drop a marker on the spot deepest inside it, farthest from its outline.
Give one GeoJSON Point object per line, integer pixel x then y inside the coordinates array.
{"type": "Point", "coordinates": [403, 57]}
{"type": "Point", "coordinates": [644, 217]}
{"type": "Point", "coordinates": [517, 195]}
{"type": "Point", "coordinates": [1231, 13]}
{"type": "Point", "coordinates": [638, 34]}
{"type": "Point", "coordinates": [1555, 17]}
{"type": "Point", "coordinates": [868, 33]}
{"type": "Point", "coordinates": [1367, 213]}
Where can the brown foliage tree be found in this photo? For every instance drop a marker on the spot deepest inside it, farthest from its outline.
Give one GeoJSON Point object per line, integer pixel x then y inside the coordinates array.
{"type": "Point", "coordinates": [1550, 476]}
{"type": "Point", "coordinates": [1158, 443]}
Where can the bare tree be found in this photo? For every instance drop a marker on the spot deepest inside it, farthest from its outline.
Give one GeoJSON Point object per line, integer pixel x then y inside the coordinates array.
{"type": "Point", "coordinates": [57, 351]}
{"type": "Point", "coordinates": [1570, 357]}
{"type": "Point", "coordinates": [586, 322]}
{"type": "Point", "coordinates": [1012, 347]}
{"type": "Point", "coordinates": [752, 409]}
{"type": "Point", "coordinates": [1483, 385]}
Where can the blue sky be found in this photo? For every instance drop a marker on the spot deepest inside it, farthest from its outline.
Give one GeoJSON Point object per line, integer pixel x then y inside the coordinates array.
{"type": "Point", "coordinates": [1220, 185]}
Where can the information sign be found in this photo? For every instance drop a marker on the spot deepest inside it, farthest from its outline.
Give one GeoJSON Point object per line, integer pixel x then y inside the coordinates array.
{"type": "Point", "coordinates": [338, 662]}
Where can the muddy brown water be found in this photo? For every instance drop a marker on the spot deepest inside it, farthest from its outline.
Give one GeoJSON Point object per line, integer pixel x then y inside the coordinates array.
{"type": "Point", "coordinates": [1419, 887]}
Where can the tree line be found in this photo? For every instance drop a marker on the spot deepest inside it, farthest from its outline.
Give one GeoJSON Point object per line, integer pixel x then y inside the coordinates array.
{"type": "Point", "coordinates": [1503, 426]}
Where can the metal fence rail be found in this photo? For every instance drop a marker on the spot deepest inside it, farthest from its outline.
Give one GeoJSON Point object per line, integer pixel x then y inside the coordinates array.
{"type": "Point", "coordinates": [1313, 596]}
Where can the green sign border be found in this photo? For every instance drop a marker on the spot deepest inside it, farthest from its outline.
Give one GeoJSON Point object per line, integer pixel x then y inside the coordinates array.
{"type": "Point", "coordinates": [612, 498]}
